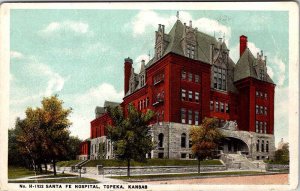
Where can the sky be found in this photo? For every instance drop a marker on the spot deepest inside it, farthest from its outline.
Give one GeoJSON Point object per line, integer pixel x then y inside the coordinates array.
{"type": "Point", "coordinates": [79, 54]}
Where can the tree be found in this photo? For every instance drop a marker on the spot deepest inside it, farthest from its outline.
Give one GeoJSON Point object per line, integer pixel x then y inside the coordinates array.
{"type": "Point", "coordinates": [130, 135]}
{"type": "Point", "coordinates": [282, 155]}
{"type": "Point", "coordinates": [44, 134]}
{"type": "Point", "coordinates": [205, 139]}
{"type": "Point", "coordinates": [73, 148]}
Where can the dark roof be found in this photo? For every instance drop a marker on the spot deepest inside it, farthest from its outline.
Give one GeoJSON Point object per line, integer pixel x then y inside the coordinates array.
{"type": "Point", "coordinates": [111, 104]}
{"type": "Point", "coordinates": [245, 67]}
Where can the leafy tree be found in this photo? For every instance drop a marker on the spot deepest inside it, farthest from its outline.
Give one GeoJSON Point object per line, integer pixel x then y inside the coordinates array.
{"type": "Point", "coordinates": [44, 134]}
{"type": "Point", "coordinates": [102, 151]}
{"type": "Point", "coordinates": [205, 139]}
{"type": "Point", "coordinates": [73, 148]}
{"type": "Point", "coordinates": [282, 155]}
{"type": "Point", "coordinates": [130, 135]}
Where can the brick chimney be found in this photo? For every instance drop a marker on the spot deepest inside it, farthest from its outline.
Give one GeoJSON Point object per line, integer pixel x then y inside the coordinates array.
{"type": "Point", "coordinates": [243, 44]}
{"type": "Point", "coordinates": [127, 73]}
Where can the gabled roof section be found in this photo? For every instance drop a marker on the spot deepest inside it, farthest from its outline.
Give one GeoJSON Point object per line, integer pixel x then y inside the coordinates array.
{"type": "Point", "coordinates": [111, 104]}
{"type": "Point", "coordinates": [245, 67]}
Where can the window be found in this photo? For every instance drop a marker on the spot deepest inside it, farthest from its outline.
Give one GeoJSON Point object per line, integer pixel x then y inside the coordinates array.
{"type": "Point", "coordinates": [190, 51]}
{"type": "Point", "coordinates": [190, 117]}
{"type": "Point", "coordinates": [183, 140]}
{"type": "Point", "coordinates": [140, 105]}
{"type": "Point", "coordinates": [160, 140]}
{"type": "Point", "coordinates": [257, 93]}
{"type": "Point", "coordinates": [266, 111]}
{"type": "Point", "coordinates": [257, 146]}
{"type": "Point", "coordinates": [227, 108]}
{"type": "Point", "coordinates": [262, 146]}
{"type": "Point", "coordinates": [183, 111]}
{"type": "Point", "coordinates": [190, 143]}
{"type": "Point", "coordinates": [267, 146]}
{"type": "Point", "coordinates": [266, 95]}
{"type": "Point", "coordinates": [158, 78]}
{"type": "Point", "coordinates": [197, 97]}
{"type": "Point", "coordinates": [183, 75]}
{"type": "Point", "coordinates": [265, 127]}
{"type": "Point", "coordinates": [217, 106]}
{"type": "Point", "coordinates": [261, 74]}
{"type": "Point", "coordinates": [190, 77]}
{"type": "Point", "coordinates": [183, 94]}
{"type": "Point", "coordinates": [261, 94]}
{"type": "Point", "coordinates": [143, 103]}
{"type": "Point", "coordinates": [183, 155]}
{"type": "Point", "coordinates": [256, 127]}
{"type": "Point", "coordinates": [211, 105]}
{"type": "Point", "coordinates": [222, 107]}
{"type": "Point", "coordinates": [261, 110]}
{"type": "Point", "coordinates": [196, 78]}
{"type": "Point", "coordinates": [196, 117]}
{"type": "Point", "coordinates": [220, 78]}
{"type": "Point", "coordinates": [190, 96]}
{"type": "Point", "coordinates": [261, 127]}
{"type": "Point", "coordinates": [257, 109]}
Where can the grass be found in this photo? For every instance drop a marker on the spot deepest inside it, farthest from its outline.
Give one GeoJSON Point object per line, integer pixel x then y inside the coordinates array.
{"type": "Point", "coordinates": [19, 172]}
{"type": "Point", "coordinates": [150, 162]}
{"type": "Point", "coordinates": [67, 163]}
{"type": "Point", "coordinates": [62, 180]}
{"type": "Point", "coordinates": [186, 175]}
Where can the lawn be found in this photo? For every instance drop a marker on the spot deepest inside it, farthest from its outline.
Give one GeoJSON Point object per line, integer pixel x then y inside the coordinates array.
{"type": "Point", "coordinates": [19, 172]}
{"type": "Point", "coordinates": [57, 176]}
{"type": "Point", "coordinates": [150, 162]}
{"type": "Point", "coordinates": [186, 175]}
{"type": "Point", "coordinates": [67, 163]}
{"type": "Point", "coordinates": [61, 180]}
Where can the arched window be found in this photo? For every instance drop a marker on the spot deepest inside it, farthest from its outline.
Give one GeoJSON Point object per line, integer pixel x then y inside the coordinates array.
{"type": "Point", "coordinates": [262, 146]}
{"type": "Point", "coordinates": [183, 140]}
{"type": "Point", "coordinates": [257, 146]}
{"type": "Point", "coordinates": [267, 146]}
{"type": "Point", "coordinates": [160, 140]}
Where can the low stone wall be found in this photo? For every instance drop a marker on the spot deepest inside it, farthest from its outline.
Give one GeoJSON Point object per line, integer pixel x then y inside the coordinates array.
{"type": "Point", "coordinates": [158, 169]}
{"type": "Point", "coordinates": [277, 166]}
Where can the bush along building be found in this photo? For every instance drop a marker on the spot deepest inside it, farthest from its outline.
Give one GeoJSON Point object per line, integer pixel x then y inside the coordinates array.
{"type": "Point", "coordinates": [191, 76]}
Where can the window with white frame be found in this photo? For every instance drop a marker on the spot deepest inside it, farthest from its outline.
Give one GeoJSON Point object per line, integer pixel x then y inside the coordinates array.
{"type": "Point", "coordinates": [190, 116]}
{"type": "Point", "coordinates": [183, 75]}
{"type": "Point", "coordinates": [183, 113]}
{"type": "Point", "coordinates": [190, 76]}
{"type": "Point", "coordinates": [190, 96]}
{"type": "Point", "coordinates": [222, 107]}
{"type": "Point", "coordinates": [227, 108]}
{"type": "Point", "coordinates": [211, 105]}
{"type": "Point", "coordinates": [196, 117]}
{"type": "Point", "coordinates": [220, 76]}
{"type": "Point", "coordinates": [197, 78]}
{"type": "Point", "coordinates": [197, 96]}
{"type": "Point", "coordinates": [256, 127]}
{"type": "Point", "coordinates": [183, 94]}
{"type": "Point", "coordinates": [190, 51]}
{"type": "Point", "coordinates": [217, 106]}
{"type": "Point", "coordinates": [261, 127]}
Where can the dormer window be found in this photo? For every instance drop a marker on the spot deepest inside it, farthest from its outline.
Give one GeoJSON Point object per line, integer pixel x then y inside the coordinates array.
{"type": "Point", "coordinates": [261, 74]}
{"type": "Point", "coordinates": [220, 76]}
{"type": "Point", "coordinates": [190, 51]}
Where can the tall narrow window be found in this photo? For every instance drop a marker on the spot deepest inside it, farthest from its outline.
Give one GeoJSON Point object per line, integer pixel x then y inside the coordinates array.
{"type": "Point", "coordinates": [265, 127]}
{"type": "Point", "coordinates": [266, 95]}
{"type": "Point", "coordinates": [222, 107]}
{"type": "Point", "coordinates": [227, 108]}
{"type": "Point", "coordinates": [160, 140]}
{"type": "Point", "coordinates": [183, 94]}
{"type": "Point", "coordinates": [190, 77]}
{"type": "Point", "coordinates": [190, 96]}
{"type": "Point", "coordinates": [196, 117]}
{"type": "Point", "coordinates": [183, 140]}
{"type": "Point", "coordinates": [183, 111]}
{"type": "Point", "coordinates": [257, 109]}
{"type": "Point", "coordinates": [257, 146]}
{"type": "Point", "coordinates": [261, 127]}
{"type": "Point", "coordinates": [211, 105]}
{"type": "Point", "coordinates": [256, 127]}
{"type": "Point", "coordinates": [217, 106]}
{"type": "Point", "coordinates": [257, 94]}
{"type": "Point", "coordinates": [183, 75]}
{"type": "Point", "coordinates": [261, 74]}
{"type": "Point", "coordinates": [190, 51]}
{"type": "Point", "coordinates": [262, 146]}
{"type": "Point", "coordinates": [261, 110]}
{"type": "Point", "coordinates": [190, 116]}
{"type": "Point", "coordinates": [267, 146]}
{"type": "Point", "coordinates": [266, 111]}
{"type": "Point", "coordinates": [196, 78]}
{"type": "Point", "coordinates": [197, 96]}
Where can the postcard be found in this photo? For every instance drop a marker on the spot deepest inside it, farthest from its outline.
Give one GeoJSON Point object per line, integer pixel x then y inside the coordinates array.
{"type": "Point", "coordinates": [150, 96]}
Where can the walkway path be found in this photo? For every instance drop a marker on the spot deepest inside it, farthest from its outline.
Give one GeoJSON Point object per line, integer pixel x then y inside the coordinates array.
{"type": "Point", "coordinates": [257, 179]}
